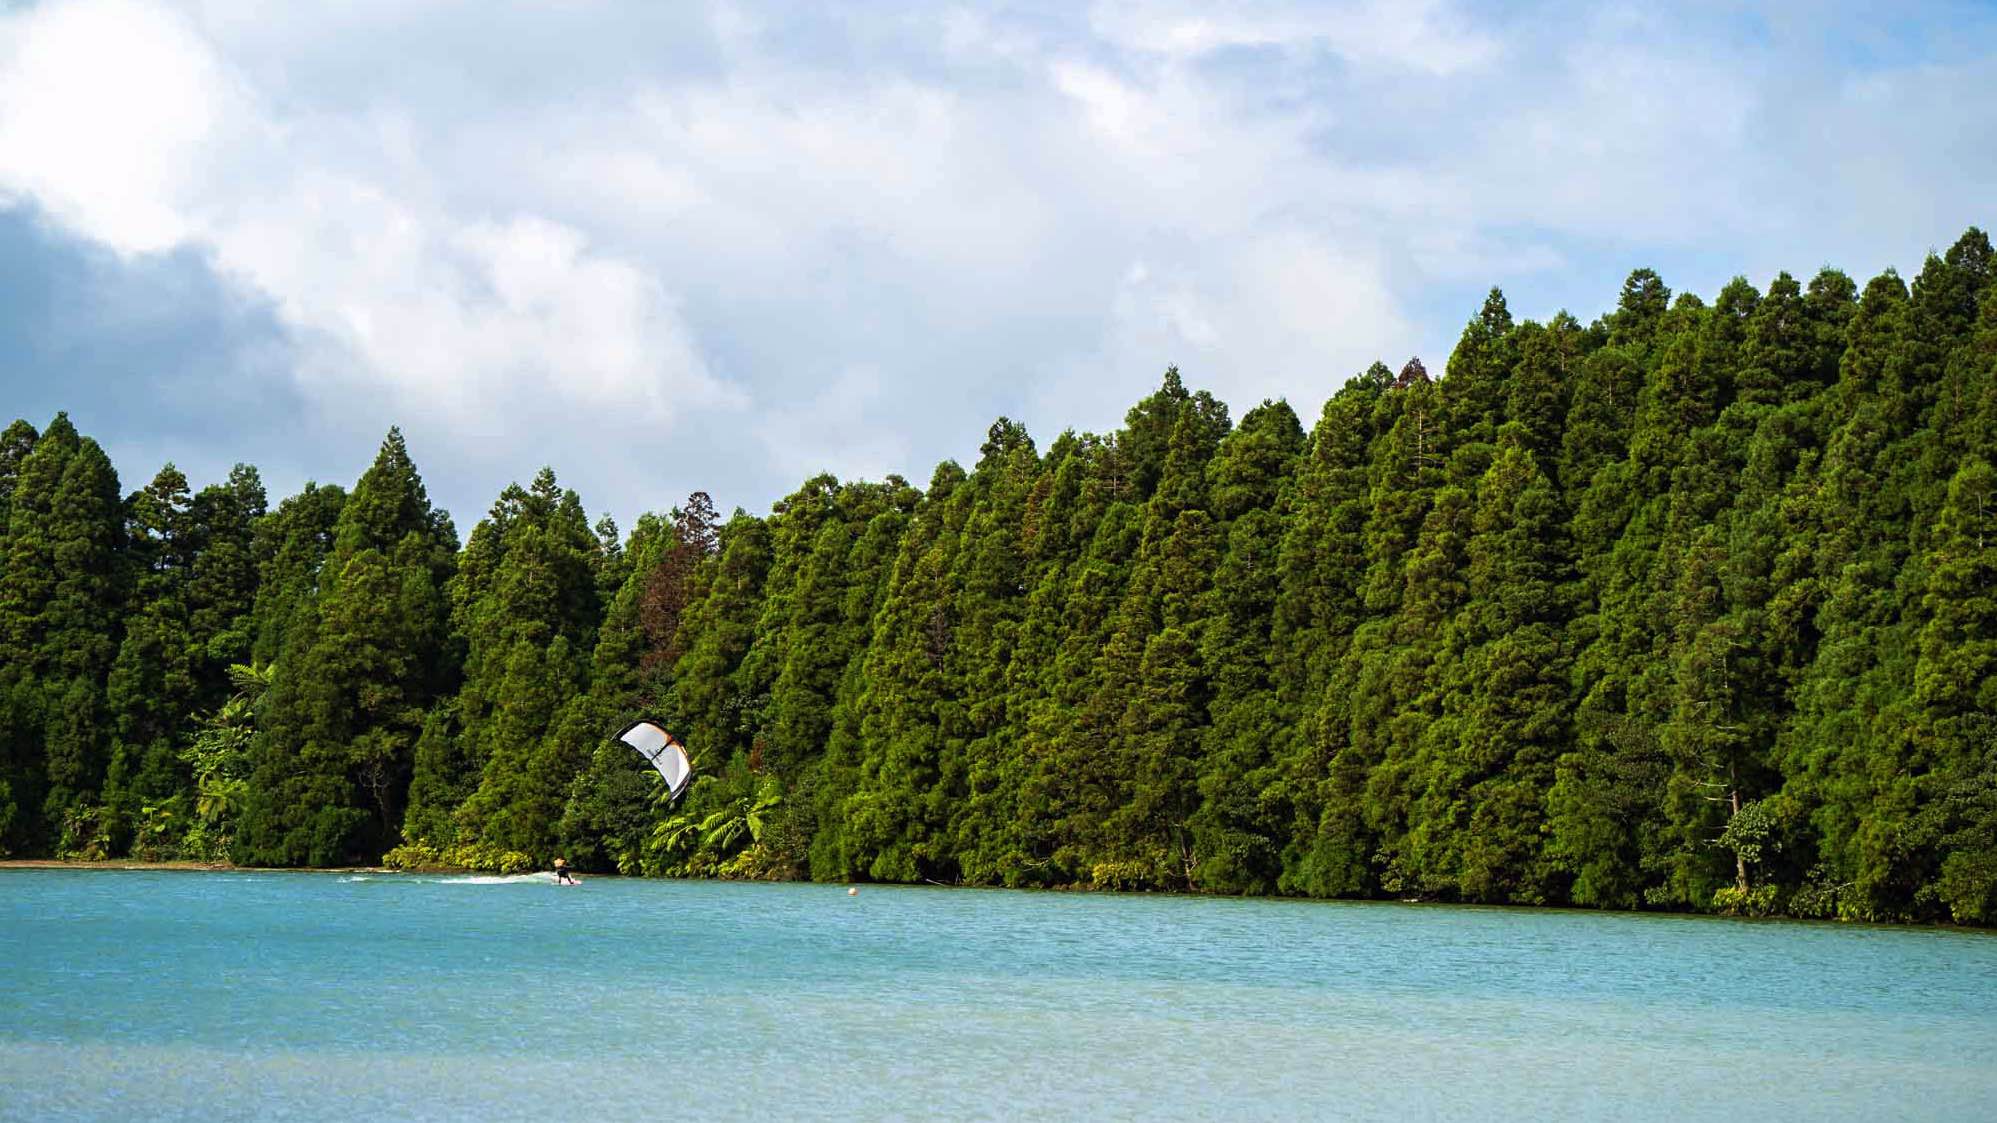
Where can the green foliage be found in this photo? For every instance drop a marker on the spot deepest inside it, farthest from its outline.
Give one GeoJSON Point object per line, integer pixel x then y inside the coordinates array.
{"type": "Point", "coordinates": [1124, 875]}
{"type": "Point", "coordinates": [737, 827]}
{"type": "Point", "coordinates": [60, 594]}
{"type": "Point", "coordinates": [727, 830]}
{"type": "Point", "coordinates": [494, 765]}
{"type": "Point", "coordinates": [1748, 830]}
{"type": "Point", "coordinates": [218, 760]}
{"type": "Point", "coordinates": [1734, 901]}
{"type": "Point", "coordinates": [363, 657]}
{"type": "Point", "coordinates": [1694, 606]}
{"type": "Point", "coordinates": [479, 857]}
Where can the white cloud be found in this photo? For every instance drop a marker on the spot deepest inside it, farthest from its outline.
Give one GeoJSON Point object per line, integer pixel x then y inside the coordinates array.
{"type": "Point", "coordinates": [1291, 315]}
{"type": "Point", "coordinates": [785, 242]}
{"type": "Point", "coordinates": [837, 429]}
{"type": "Point", "coordinates": [119, 120]}
{"type": "Point", "coordinates": [1115, 110]}
{"type": "Point", "coordinates": [107, 111]}
{"type": "Point", "coordinates": [1414, 36]}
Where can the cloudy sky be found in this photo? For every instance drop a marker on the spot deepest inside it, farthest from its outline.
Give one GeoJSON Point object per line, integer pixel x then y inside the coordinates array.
{"type": "Point", "coordinates": [663, 247]}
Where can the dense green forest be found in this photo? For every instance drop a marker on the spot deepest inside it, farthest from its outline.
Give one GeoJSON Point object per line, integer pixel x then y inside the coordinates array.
{"type": "Point", "coordinates": [1693, 607]}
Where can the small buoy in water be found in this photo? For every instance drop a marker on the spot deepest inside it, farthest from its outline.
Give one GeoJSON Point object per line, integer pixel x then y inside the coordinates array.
{"type": "Point", "coordinates": [853, 891]}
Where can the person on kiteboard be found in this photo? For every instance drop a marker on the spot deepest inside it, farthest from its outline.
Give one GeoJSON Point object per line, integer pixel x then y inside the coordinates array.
{"type": "Point", "coordinates": [562, 874]}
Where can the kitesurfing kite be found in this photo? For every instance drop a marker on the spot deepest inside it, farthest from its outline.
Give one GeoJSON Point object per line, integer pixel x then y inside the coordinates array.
{"type": "Point", "coordinates": [664, 751]}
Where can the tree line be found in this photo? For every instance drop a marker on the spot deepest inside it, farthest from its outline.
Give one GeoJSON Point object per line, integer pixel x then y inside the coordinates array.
{"type": "Point", "coordinates": [1690, 607]}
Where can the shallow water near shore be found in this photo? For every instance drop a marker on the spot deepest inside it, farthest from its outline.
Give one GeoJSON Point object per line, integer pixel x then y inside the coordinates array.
{"type": "Point", "coordinates": [216, 995]}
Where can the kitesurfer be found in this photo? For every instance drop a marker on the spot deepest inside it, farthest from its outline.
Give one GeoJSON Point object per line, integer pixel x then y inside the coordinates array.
{"type": "Point", "coordinates": [562, 874]}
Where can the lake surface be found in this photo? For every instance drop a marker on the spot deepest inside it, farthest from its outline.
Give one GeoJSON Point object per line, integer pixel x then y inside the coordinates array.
{"type": "Point", "coordinates": [184, 995]}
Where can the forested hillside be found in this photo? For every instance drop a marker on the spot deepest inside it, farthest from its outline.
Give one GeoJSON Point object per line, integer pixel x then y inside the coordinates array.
{"type": "Point", "coordinates": [1693, 607]}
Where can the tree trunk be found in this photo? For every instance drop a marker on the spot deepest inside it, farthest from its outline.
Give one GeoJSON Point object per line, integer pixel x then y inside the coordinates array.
{"type": "Point", "coordinates": [1740, 863]}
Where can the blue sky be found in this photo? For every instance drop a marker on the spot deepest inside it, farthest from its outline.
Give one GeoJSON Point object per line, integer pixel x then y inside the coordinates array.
{"type": "Point", "coordinates": [726, 246]}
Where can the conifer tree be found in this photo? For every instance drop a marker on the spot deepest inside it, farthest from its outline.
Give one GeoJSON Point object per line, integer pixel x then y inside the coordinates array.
{"type": "Point", "coordinates": [667, 586]}
{"type": "Point", "coordinates": [78, 642]}
{"type": "Point", "coordinates": [895, 822]}
{"type": "Point", "coordinates": [1475, 389]}
{"type": "Point", "coordinates": [1404, 725]}
{"type": "Point", "coordinates": [362, 660]}
{"type": "Point", "coordinates": [154, 682]}
{"type": "Point", "coordinates": [1073, 785]}
{"type": "Point", "coordinates": [1604, 813]}
{"type": "Point", "coordinates": [1124, 839]}
{"type": "Point", "coordinates": [607, 819]}
{"type": "Point", "coordinates": [708, 697]}
{"type": "Point", "coordinates": [290, 548]}
{"type": "Point", "coordinates": [27, 583]}
{"type": "Point", "coordinates": [1337, 847]}
{"type": "Point", "coordinates": [58, 634]}
{"type": "Point", "coordinates": [1234, 833]}
{"type": "Point", "coordinates": [19, 709]}
{"type": "Point", "coordinates": [820, 641]}
{"type": "Point", "coordinates": [836, 776]}
{"type": "Point", "coordinates": [222, 585]}
{"type": "Point", "coordinates": [1318, 609]}
{"type": "Point", "coordinates": [1537, 402]}
{"type": "Point", "coordinates": [990, 582]}
{"type": "Point", "coordinates": [1955, 697]}
{"type": "Point", "coordinates": [16, 442]}
{"type": "Point", "coordinates": [795, 526]}
{"type": "Point", "coordinates": [524, 602]}
{"type": "Point", "coordinates": [1073, 547]}
{"type": "Point", "coordinates": [1505, 695]}
{"type": "Point", "coordinates": [1832, 750]}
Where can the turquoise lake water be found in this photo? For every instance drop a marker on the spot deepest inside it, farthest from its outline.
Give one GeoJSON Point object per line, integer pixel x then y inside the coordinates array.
{"type": "Point", "coordinates": [182, 995]}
